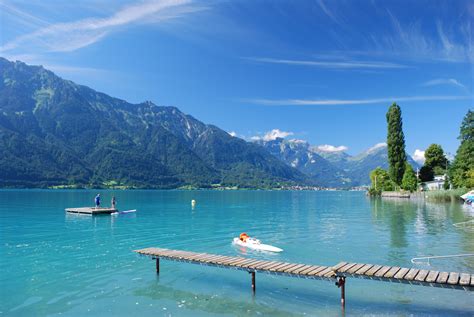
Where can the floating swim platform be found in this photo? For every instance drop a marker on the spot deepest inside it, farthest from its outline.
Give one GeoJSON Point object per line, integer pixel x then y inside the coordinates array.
{"type": "Point", "coordinates": [91, 210]}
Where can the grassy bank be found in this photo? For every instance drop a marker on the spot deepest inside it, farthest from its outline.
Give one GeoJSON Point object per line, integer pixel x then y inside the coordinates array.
{"type": "Point", "coordinates": [445, 195]}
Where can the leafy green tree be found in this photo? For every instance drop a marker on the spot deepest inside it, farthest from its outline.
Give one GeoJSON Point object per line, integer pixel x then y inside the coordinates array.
{"type": "Point", "coordinates": [426, 173]}
{"type": "Point", "coordinates": [462, 170]}
{"type": "Point", "coordinates": [435, 159]}
{"type": "Point", "coordinates": [396, 144]}
{"type": "Point", "coordinates": [381, 181]}
{"type": "Point", "coordinates": [409, 181]}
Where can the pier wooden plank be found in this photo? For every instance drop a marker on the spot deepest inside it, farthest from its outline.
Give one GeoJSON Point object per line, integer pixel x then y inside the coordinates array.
{"type": "Point", "coordinates": [311, 268]}
{"type": "Point", "coordinates": [319, 272]}
{"type": "Point", "coordinates": [364, 269]}
{"type": "Point", "coordinates": [221, 260]}
{"type": "Point", "coordinates": [421, 276]}
{"type": "Point", "coordinates": [268, 265]}
{"type": "Point", "coordinates": [464, 279]}
{"type": "Point", "coordinates": [401, 274]}
{"type": "Point", "coordinates": [432, 275]}
{"type": "Point", "coordinates": [200, 257]}
{"type": "Point", "coordinates": [327, 271]}
{"type": "Point", "coordinates": [172, 254]}
{"type": "Point", "coordinates": [236, 261]}
{"type": "Point", "coordinates": [239, 261]}
{"type": "Point", "coordinates": [442, 278]}
{"type": "Point", "coordinates": [391, 273]}
{"type": "Point", "coordinates": [330, 273]}
{"type": "Point", "coordinates": [411, 274]}
{"type": "Point", "coordinates": [157, 252]}
{"type": "Point", "coordinates": [316, 270]}
{"type": "Point", "coordinates": [228, 261]}
{"type": "Point", "coordinates": [264, 264]}
{"type": "Point", "coordinates": [203, 257]}
{"type": "Point", "coordinates": [254, 264]}
{"type": "Point", "coordinates": [246, 262]}
{"type": "Point", "coordinates": [276, 267]}
{"type": "Point", "coordinates": [283, 268]}
{"type": "Point", "coordinates": [339, 265]}
{"type": "Point", "coordinates": [373, 270]}
{"type": "Point", "coordinates": [382, 271]}
{"type": "Point", "coordinates": [346, 267]}
{"type": "Point", "coordinates": [453, 278]}
{"type": "Point", "coordinates": [355, 268]}
{"type": "Point", "coordinates": [249, 261]}
{"type": "Point", "coordinates": [301, 269]}
{"type": "Point", "coordinates": [293, 267]}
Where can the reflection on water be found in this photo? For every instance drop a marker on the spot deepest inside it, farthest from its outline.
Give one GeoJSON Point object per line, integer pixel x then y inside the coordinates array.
{"type": "Point", "coordinates": [410, 220]}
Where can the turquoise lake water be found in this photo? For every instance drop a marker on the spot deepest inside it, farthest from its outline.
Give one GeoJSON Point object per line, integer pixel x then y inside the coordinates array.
{"type": "Point", "coordinates": [53, 263]}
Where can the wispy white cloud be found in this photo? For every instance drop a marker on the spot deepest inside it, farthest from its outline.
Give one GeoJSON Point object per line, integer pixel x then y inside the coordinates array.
{"type": "Point", "coordinates": [70, 36]}
{"type": "Point", "coordinates": [443, 81]}
{"type": "Point", "coordinates": [272, 135]}
{"type": "Point", "coordinates": [419, 156]}
{"type": "Point", "coordinates": [21, 17]}
{"type": "Point", "coordinates": [336, 102]}
{"type": "Point", "coordinates": [346, 64]}
{"type": "Point", "coordinates": [327, 11]}
{"type": "Point", "coordinates": [451, 42]}
{"type": "Point", "coordinates": [332, 148]}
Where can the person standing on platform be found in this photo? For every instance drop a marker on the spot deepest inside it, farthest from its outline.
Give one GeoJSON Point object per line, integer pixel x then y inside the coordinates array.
{"type": "Point", "coordinates": [113, 202]}
{"type": "Point", "coordinates": [97, 201]}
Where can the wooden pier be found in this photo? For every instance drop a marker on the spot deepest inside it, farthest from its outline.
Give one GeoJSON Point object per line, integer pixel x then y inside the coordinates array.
{"type": "Point", "coordinates": [337, 273]}
{"type": "Point", "coordinates": [91, 210]}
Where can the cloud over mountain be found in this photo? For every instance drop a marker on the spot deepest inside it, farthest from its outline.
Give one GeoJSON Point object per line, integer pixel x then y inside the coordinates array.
{"type": "Point", "coordinates": [419, 156]}
{"type": "Point", "coordinates": [332, 148]}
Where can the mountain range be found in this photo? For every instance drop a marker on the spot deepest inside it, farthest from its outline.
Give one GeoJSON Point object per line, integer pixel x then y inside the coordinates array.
{"type": "Point", "coordinates": [330, 168]}
{"type": "Point", "coordinates": [55, 132]}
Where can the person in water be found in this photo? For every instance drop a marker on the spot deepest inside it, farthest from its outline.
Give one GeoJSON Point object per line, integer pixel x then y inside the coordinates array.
{"type": "Point", "coordinates": [97, 201]}
{"type": "Point", "coordinates": [243, 237]}
{"type": "Point", "coordinates": [113, 202]}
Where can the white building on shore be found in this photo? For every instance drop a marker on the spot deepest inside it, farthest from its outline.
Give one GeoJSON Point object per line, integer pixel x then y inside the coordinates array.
{"type": "Point", "coordinates": [436, 184]}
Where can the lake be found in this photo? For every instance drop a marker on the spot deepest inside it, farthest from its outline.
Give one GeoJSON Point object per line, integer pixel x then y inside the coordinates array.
{"type": "Point", "coordinates": [53, 263]}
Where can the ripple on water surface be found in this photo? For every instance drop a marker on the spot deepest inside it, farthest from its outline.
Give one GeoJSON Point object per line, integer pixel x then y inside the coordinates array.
{"type": "Point", "coordinates": [56, 263]}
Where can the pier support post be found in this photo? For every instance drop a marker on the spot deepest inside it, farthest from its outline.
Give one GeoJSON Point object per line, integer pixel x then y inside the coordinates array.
{"type": "Point", "coordinates": [158, 266]}
{"type": "Point", "coordinates": [341, 283]}
{"type": "Point", "coordinates": [253, 282]}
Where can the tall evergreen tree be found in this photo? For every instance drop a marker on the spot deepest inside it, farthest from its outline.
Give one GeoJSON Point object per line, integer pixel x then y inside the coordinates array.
{"type": "Point", "coordinates": [396, 144]}
{"type": "Point", "coordinates": [462, 170]}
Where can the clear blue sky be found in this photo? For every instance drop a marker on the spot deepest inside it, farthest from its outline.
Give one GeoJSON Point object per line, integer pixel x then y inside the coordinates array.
{"type": "Point", "coordinates": [326, 71]}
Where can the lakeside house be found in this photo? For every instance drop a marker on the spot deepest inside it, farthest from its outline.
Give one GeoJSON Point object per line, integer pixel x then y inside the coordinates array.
{"type": "Point", "coordinates": [436, 184]}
